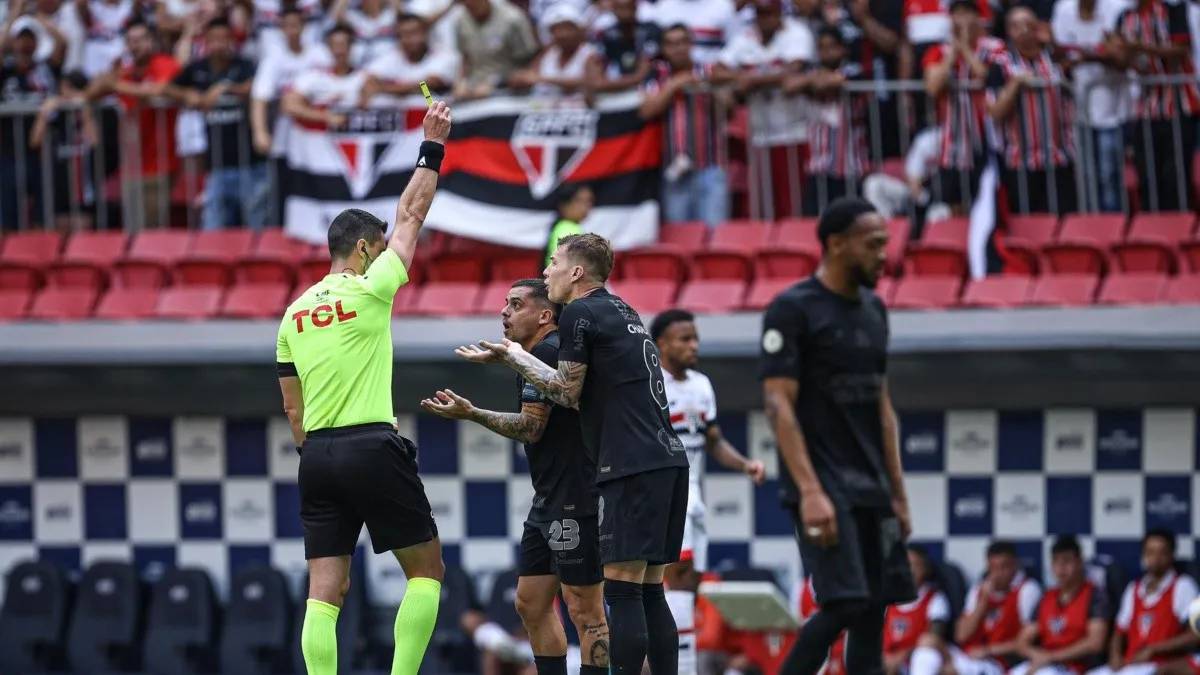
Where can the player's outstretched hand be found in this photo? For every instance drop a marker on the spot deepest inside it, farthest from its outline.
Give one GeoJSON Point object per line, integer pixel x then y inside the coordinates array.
{"type": "Point", "coordinates": [757, 471]}
{"type": "Point", "coordinates": [481, 353]}
{"type": "Point", "coordinates": [446, 403]}
{"type": "Point", "coordinates": [437, 122]}
{"type": "Point", "coordinates": [819, 518]}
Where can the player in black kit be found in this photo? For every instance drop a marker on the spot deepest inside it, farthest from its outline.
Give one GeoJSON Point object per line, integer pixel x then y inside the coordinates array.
{"type": "Point", "coordinates": [560, 540]}
{"type": "Point", "coordinates": [824, 364]}
{"type": "Point", "coordinates": [609, 368]}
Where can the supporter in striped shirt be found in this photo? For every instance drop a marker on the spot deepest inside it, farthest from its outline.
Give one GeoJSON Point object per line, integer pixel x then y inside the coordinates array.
{"type": "Point", "coordinates": [837, 126]}
{"type": "Point", "coordinates": [1034, 118]}
{"type": "Point", "coordinates": [1158, 43]}
{"type": "Point", "coordinates": [954, 75]}
{"type": "Point", "coordinates": [695, 186]}
{"type": "Point", "coordinates": [710, 22]}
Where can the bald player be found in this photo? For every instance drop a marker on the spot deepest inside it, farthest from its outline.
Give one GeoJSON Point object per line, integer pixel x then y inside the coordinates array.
{"type": "Point", "coordinates": [334, 357]}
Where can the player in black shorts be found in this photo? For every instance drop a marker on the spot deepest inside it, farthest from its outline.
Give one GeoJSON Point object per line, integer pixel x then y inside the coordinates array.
{"type": "Point", "coordinates": [560, 540]}
{"type": "Point", "coordinates": [609, 368]}
{"type": "Point", "coordinates": [824, 364]}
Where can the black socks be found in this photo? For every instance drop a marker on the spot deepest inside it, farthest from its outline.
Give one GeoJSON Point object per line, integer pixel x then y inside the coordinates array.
{"type": "Point", "coordinates": [550, 665]}
{"type": "Point", "coordinates": [626, 627]}
{"type": "Point", "coordinates": [662, 650]}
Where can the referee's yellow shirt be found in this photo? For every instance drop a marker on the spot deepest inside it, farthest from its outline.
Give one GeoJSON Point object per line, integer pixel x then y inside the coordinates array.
{"type": "Point", "coordinates": [338, 334]}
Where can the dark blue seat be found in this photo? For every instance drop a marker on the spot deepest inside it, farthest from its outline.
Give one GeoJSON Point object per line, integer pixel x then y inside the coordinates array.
{"type": "Point", "coordinates": [182, 627]}
{"type": "Point", "coordinates": [33, 620]}
{"type": "Point", "coordinates": [103, 636]}
{"type": "Point", "coordinates": [258, 622]}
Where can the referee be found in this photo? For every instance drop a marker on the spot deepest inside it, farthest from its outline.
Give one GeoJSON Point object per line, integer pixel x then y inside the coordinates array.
{"type": "Point", "coordinates": [824, 363]}
{"type": "Point", "coordinates": [610, 369]}
{"type": "Point", "coordinates": [334, 357]}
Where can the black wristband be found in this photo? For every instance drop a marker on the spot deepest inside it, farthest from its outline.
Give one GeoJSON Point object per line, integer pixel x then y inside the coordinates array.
{"type": "Point", "coordinates": [431, 156]}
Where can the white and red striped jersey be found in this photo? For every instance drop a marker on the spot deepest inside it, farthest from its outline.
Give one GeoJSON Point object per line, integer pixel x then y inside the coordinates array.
{"type": "Point", "coordinates": [104, 43]}
{"type": "Point", "coordinates": [1159, 23]}
{"type": "Point", "coordinates": [1039, 132]}
{"type": "Point", "coordinates": [710, 22]}
{"type": "Point", "coordinates": [962, 112]}
{"type": "Point", "coordinates": [693, 406]}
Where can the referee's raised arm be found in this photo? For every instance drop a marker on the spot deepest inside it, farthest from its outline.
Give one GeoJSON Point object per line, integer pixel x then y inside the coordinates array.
{"type": "Point", "coordinates": [418, 195]}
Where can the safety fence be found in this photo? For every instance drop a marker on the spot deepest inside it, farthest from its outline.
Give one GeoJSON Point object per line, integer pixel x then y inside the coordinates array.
{"type": "Point", "coordinates": [1114, 143]}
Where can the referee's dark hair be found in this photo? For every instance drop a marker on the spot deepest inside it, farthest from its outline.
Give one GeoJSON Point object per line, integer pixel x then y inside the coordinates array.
{"type": "Point", "coordinates": [665, 318]}
{"type": "Point", "coordinates": [538, 290]}
{"type": "Point", "coordinates": [1161, 533]}
{"type": "Point", "coordinates": [593, 252]}
{"type": "Point", "coordinates": [348, 227]}
{"type": "Point", "coordinates": [1066, 543]}
{"type": "Point", "coordinates": [1002, 547]}
{"type": "Point", "coordinates": [840, 216]}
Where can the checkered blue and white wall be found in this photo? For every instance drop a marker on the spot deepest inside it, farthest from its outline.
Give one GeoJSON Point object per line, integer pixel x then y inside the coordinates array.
{"type": "Point", "coordinates": [220, 493]}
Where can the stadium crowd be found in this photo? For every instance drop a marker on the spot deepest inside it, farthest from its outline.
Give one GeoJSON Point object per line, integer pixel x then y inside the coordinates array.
{"type": "Point", "coordinates": [815, 68]}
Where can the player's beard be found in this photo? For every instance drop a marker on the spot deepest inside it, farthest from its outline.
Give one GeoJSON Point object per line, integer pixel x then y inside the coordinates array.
{"type": "Point", "coordinates": [866, 277]}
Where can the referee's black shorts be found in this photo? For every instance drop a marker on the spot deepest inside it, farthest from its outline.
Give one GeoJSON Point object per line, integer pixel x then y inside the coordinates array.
{"type": "Point", "coordinates": [366, 473]}
{"type": "Point", "coordinates": [642, 516]}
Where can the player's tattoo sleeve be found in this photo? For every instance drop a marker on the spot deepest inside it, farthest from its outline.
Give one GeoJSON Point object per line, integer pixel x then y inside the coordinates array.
{"type": "Point", "coordinates": [526, 426]}
{"type": "Point", "coordinates": [563, 386]}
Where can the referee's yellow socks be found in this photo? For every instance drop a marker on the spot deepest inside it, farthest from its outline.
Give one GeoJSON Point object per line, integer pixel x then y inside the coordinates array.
{"type": "Point", "coordinates": [318, 638]}
{"type": "Point", "coordinates": [414, 624]}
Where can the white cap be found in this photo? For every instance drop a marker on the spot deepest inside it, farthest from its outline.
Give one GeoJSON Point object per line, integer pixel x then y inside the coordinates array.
{"type": "Point", "coordinates": [562, 12]}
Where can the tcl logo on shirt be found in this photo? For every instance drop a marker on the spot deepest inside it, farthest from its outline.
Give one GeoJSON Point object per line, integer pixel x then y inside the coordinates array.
{"type": "Point", "coordinates": [322, 316]}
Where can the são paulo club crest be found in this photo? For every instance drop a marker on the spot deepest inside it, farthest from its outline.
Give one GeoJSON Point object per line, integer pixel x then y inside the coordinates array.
{"type": "Point", "coordinates": [362, 146]}
{"type": "Point", "coordinates": [550, 144]}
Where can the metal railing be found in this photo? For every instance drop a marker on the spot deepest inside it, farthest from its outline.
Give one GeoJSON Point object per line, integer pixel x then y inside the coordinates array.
{"type": "Point", "coordinates": [100, 165]}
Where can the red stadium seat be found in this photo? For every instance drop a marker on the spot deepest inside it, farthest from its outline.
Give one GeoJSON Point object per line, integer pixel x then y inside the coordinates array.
{"type": "Point", "coordinates": [63, 304]}
{"type": "Point", "coordinates": [763, 291]}
{"type": "Point", "coordinates": [1064, 290]}
{"type": "Point", "coordinates": [187, 303]}
{"type": "Point", "coordinates": [1083, 243]}
{"type": "Point", "coordinates": [76, 275]}
{"type": "Point", "coordinates": [258, 270]}
{"type": "Point", "coordinates": [1183, 290]}
{"type": "Point", "coordinates": [712, 296]}
{"type": "Point", "coordinates": [997, 291]}
{"type": "Point", "coordinates": [19, 275]}
{"type": "Point", "coordinates": [448, 298]}
{"type": "Point", "coordinates": [741, 236]}
{"type": "Point", "coordinates": [165, 247]}
{"type": "Point", "coordinates": [1189, 252]}
{"type": "Point", "coordinates": [899, 231]}
{"type": "Point", "coordinates": [459, 267]}
{"type": "Point", "coordinates": [256, 301]}
{"type": "Point", "coordinates": [274, 244]}
{"type": "Point", "coordinates": [653, 263]}
{"type": "Point", "coordinates": [128, 304]}
{"type": "Point", "coordinates": [493, 297]}
{"type": "Point", "coordinates": [86, 260]}
{"type": "Point", "coordinates": [791, 264]}
{"type": "Point", "coordinates": [1026, 234]}
{"type": "Point", "coordinates": [221, 245]}
{"type": "Point", "coordinates": [942, 250]}
{"type": "Point", "coordinates": [312, 269]}
{"type": "Point", "coordinates": [886, 289]}
{"type": "Point", "coordinates": [196, 272]}
{"type": "Point", "coordinates": [513, 266]}
{"type": "Point", "coordinates": [1144, 288]}
{"type": "Point", "coordinates": [402, 304]}
{"type": "Point", "coordinates": [1152, 241]}
{"type": "Point", "coordinates": [35, 248]}
{"type": "Point", "coordinates": [139, 274]}
{"type": "Point", "coordinates": [797, 234]}
{"type": "Point", "coordinates": [14, 303]}
{"type": "Point", "coordinates": [926, 293]}
{"type": "Point", "coordinates": [687, 237]}
{"type": "Point", "coordinates": [1031, 229]}
{"type": "Point", "coordinates": [728, 265]}
{"type": "Point", "coordinates": [650, 296]}
{"type": "Point", "coordinates": [101, 248]}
